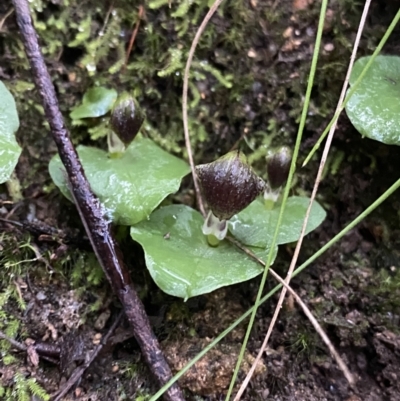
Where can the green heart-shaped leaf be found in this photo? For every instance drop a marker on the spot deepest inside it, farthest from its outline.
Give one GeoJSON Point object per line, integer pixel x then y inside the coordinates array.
{"type": "Point", "coordinates": [9, 124]}
{"type": "Point", "coordinates": [96, 102]}
{"type": "Point", "coordinates": [131, 186]}
{"type": "Point", "coordinates": [180, 260]}
{"type": "Point", "coordinates": [255, 225]}
{"type": "Point", "coordinates": [374, 108]}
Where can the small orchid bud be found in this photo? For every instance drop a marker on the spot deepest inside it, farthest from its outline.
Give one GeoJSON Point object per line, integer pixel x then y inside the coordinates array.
{"type": "Point", "coordinates": [126, 118]}
{"type": "Point", "coordinates": [278, 166]}
{"type": "Point", "coordinates": [229, 184]}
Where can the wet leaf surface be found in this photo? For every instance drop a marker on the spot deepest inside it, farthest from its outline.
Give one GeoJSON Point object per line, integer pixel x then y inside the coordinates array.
{"type": "Point", "coordinates": [131, 186]}
{"type": "Point", "coordinates": [181, 261]}
{"type": "Point", "coordinates": [255, 225]}
{"type": "Point", "coordinates": [95, 103]}
{"type": "Point", "coordinates": [9, 124]}
{"type": "Point", "coordinates": [374, 108]}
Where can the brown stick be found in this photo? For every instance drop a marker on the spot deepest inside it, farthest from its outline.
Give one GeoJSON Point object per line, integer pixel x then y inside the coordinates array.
{"type": "Point", "coordinates": [90, 209]}
{"type": "Point", "coordinates": [133, 37]}
{"type": "Point", "coordinates": [22, 347]}
{"type": "Point", "coordinates": [78, 372]}
{"type": "Point", "coordinates": [14, 343]}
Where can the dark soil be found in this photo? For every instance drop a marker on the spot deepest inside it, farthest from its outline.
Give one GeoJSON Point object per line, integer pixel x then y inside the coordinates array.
{"type": "Point", "coordinates": [55, 293]}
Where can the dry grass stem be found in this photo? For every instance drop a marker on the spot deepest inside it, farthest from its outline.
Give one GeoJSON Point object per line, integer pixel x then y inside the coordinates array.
{"type": "Point", "coordinates": [3, 20]}
{"type": "Point", "coordinates": [195, 42]}
{"type": "Point", "coordinates": [341, 364]}
{"type": "Point", "coordinates": [133, 37]}
{"type": "Point", "coordinates": [306, 311]}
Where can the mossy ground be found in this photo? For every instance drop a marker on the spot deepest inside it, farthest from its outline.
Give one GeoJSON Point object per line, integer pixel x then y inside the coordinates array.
{"type": "Point", "coordinates": [247, 84]}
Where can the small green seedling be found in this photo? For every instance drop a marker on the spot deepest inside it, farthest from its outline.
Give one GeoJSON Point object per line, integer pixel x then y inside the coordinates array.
{"type": "Point", "coordinates": [92, 113]}
{"type": "Point", "coordinates": [9, 124]}
{"type": "Point", "coordinates": [129, 181]}
{"type": "Point", "coordinates": [96, 102]}
{"type": "Point", "coordinates": [374, 107]}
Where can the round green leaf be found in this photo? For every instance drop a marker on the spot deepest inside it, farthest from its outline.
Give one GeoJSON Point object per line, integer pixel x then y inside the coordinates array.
{"type": "Point", "coordinates": [96, 102]}
{"type": "Point", "coordinates": [9, 124]}
{"type": "Point", "coordinates": [180, 260]}
{"type": "Point", "coordinates": [374, 108]}
{"type": "Point", "coordinates": [130, 187]}
{"type": "Point", "coordinates": [255, 225]}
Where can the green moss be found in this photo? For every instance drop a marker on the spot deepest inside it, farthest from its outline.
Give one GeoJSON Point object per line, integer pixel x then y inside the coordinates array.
{"type": "Point", "coordinates": [17, 258]}
{"type": "Point", "coordinates": [337, 282]}
{"type": "Point", "coordinates": [385, 289]}
{"type": "Point", "coordinates": [242, 82]}
{"type": "Point", "coordinates": [227, 88]}
{"type": "Point", "coordinates": [85, 270]}
{"type": "Point", "coordinates": [304, 343]}
{"type": "Point", "coordinates": [16, 261]}
{"type": "Point", "coordinates": [22, 389]}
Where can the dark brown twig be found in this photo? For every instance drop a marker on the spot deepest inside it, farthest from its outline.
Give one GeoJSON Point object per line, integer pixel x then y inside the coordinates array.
{"type": "Point", "coordinates": [38, 348]}
{"type": "Point", "coordinates": [90, 209]}
{"type": "Point", "coordinates": [133, 37]}
{"type": "Point", "coordinates": [19, 346]}
{"type": "Point", "coordinates": [13, 222]}
{"type": "Point", "coordinates": [47, 232]}
{"type": "Point", "coordinates": [78, 372]}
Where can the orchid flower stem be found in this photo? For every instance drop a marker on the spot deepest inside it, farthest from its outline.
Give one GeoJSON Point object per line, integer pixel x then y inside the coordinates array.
{"type": "Point", "coordinates": [269, 204]}
{"type": "Point", "coordinates": [213, 240]}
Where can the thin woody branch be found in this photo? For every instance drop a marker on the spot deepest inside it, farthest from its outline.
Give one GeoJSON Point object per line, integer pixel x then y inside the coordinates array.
{"type": "Point", "coordinates": [90, 209]}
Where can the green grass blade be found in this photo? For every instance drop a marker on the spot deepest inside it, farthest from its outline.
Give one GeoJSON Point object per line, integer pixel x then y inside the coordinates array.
{"type": "Point", "coordinates": [310, 260]}
{"type": "Point", "coordinates": [354, 87]}
{"type": "Point", "coordinates": [286, 192]}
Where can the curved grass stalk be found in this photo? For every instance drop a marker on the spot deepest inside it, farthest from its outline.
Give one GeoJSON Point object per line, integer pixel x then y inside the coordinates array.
{"type": "Point", "coordinates": [350, 378]}
{"type": "Point", "coordinates": [196, 39]}
{"type": "Point", "coordinates": [313, 69]}
{"type": "Point", "coordinates": [310, 260]}
{"type": "Point", "coordinates": [259, 301]}
{"type": "Point", "coordinates": [342, 365]}
{"type": "Point", "coordinates": [354, 87]}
